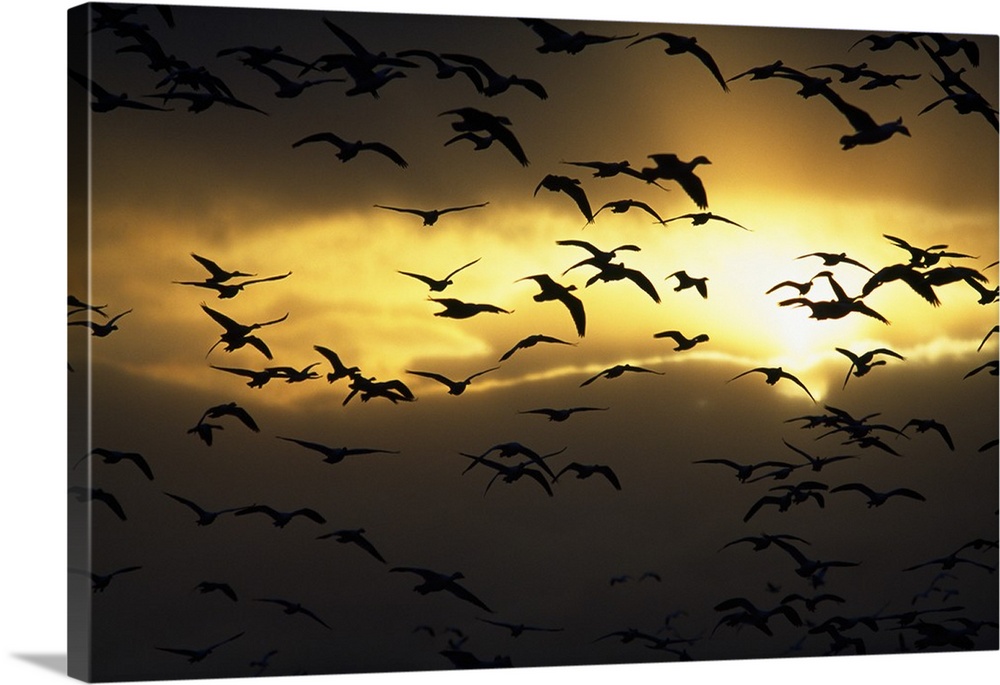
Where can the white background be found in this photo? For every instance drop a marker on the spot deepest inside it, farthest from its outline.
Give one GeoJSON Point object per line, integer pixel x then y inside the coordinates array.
{"type": "Point", "coordinates": [32, 618]}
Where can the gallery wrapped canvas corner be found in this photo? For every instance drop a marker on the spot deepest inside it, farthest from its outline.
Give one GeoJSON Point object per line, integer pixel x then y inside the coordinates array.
{"type": "Point", "coordinates": [424, 342]}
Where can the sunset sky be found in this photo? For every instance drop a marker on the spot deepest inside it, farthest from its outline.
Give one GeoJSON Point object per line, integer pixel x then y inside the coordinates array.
{"type": "Point", "coordinates": [227, 184]}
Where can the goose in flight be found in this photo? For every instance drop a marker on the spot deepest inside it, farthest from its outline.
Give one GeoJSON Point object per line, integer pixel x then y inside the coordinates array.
{"type": "Point", "coordinates": [861, 364]}
{"type": "Point", "coordinates": [434, 581]}
{"type": "Point", "coordinates": [280, 519]}
{"type": "Point", "coordinates": [834, 259]}
{"type": "Point", "coordinates": [457, 309]}
{"type": "Point", "coordinates": [670, 167]}
{"type": "Point", "coordinates": [947, 47]}
{"type": "Point", "coordinates": [255, 56]}
{"type": "Point", "coordinates": [454, 387]}
{"type": "Point", "coordinates": [205, 517]}
{"type": "Point", "coordinates": [570, 186]}
{"type": "Point", "coordinates": [552, 291]}
{"type": "Point", "coordinates": [81, 306]}
{"type": "Point", "coordinates": [496, 83]}
{"type": "Point", "coordinates": [116, 457]}
{"type": "Point", "coordinates": [811, 603]}
{"type": "Point", "coordinates": [340, 369]}
{"type": "Point", "coordinates": [237, 335]}
{"type": "Point", "coordinates": [101, 330]}
{"type": "Point", "coordinates": [773, 375]}
{"type": "Point", "coordinates": [293, 608]}
{"type": "Point", "coordinates": [994, 330]}
{"type": "Point", "coordinates": [495, 127]}
{"type": "Point", "coordinates": [258, 379]}
{"type": "Point", "coordinates": [802, 288]}
{"type": "Point", "coordinates": [743, 471]}
{"type": "Point", "coordinates": [518, 629]}
{"type": "Point", "coordinates": [617, 271]}
{"type": "Point", "coordinates": [762, 72]}
{"type": "Point", "coordinates": [294, 375]}
{"type": "Point", "coordinates": [83, 494]}
{"type": "Point", "coordinates": [513, 448]}
{"type": "Point", "coordinates": [749, 614]}
{"type": "Point", "coordinates": [555, 39]}
{"type": "Point", "coordinates": [794, 495]}
{"type": "Point", "coordinates": [678, 45]}
{"type": "Point", "coordinates": [683, 342]}
{"type": "Point", "coordinates": [618, 370]}
{"type": "Point", "coordinates": [877, 42]}
{"type": "Point", "coordinates": [598, 257]}
{"type": "Point", "coordinates": [205, 431]}
{"type": "Point", "coordinates": [561, 414]}
{"type": "Point", "coordinates": [355, 536]}
{"type": "Point", "coordinates": [511, 474]}
{"type": "Point", "coordinates": [335, 455]}
{"type": "Point", "coordinates": [880, 80]}
{"type": "Point", "coordinates": [990, 366]}
{"type": "Point", "coordinates": [817, 463]}
{"type": "Point", "coordinates": [196, 655]}
{"type": "Point", "coordinates": [438, 285]}
{"type": "Point", "coordinates": [216, 273]}
{"type": "Point", "coordinates": [848, 74]}
{"type": "Point", "coordinates": [199, 101]}
{"type": "Point", "coordinates": [430, 216]}
{"type": "Point", "coordinates": [684, 281]}
{"type": "Point", "coordinates": [622, 206]}
{"type": "Point", "coordinates": [877, 499]}
{"type": "Point", "coordinates": [924, 425]}
{"type": "Point", "coordinates": [348, 151]}
{"type": "Point", "coordinates": [925, 257]}
{"type": "Point", "coordinates": [287, 88]}
{"type": "Point", "coordinates": [949, 562]}
{"type": "Point", "coordinates": [231, 409]}
{"type": "Point", "coordinates": [813, 569]}
{"type": "Point", "coordinates": [105, 101]}
{"type": "Point", "coordinates": [967, 102]}
{"type": "Point", "coordinates": [100, 581]}
{"type": "Point", "coordinates": [531, 341]}
{"type": "Point", "coordinates": [702, 218]}
{"type": "Point", "coordinates": [230, 290]}
{"type": "Point", "coordinates": [393, 390]}
{"type": "Point", "coordinates": [603, 169]}
{"type": "Point", "coordinates": [834, 309]}
{"type": "Point", "coordinates": [445, 69]}
{"type": "Point", "coordinates": [583, 471]}
{"type": "Point", "coordinates": [764, 540]}
{"type": "Point", "coordinates": [206, 586]}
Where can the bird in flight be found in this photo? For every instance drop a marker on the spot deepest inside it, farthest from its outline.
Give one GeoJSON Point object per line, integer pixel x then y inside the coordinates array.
{"type": "Point", "coordinates": [861, 364]}
{"type": "Point", "coordinates": [237, 335]}
{"type": "Point", "coordinates": [598, 257]}
{"type": "Point", "coordinates": [683, 342]}
{"type": "Point", "coordinates": [205, 517]}
{"type": "Point", "coordinates": [207, 586]}
{"type": "Point", "coordinates": [454, 387]}
{"type": "Point", "coordinates": [618, 370]}
{"type": "Point", "coordinates": [587, 470]}
{"type": "Point", "coordinates": [258, 379]}
{"type": "Point", "coordinates": [495, 83]}
{"type": "Point", "coordinates": [495, 127]}
{"type": "Point", "coordinates": [773, 375]}
{"type": "Point", "coordinates": [355, 536]}
{"type": "Point", "coordinates": [555, 39]}
{"type": "Point", "coordinates": [570, 186]}
{"type": "Point", "coordinates": [457, 309]}
{"type": "Point", "coordinates": [340, 370]}
{"type": "Point", "coordinates": [678, 45]}
{"type": "Point", "coordinates": [438, 285]}
{"type": "Point", "coordinates": [518, 629]}
{"type": "Point", "coordinates": [101, 330]}
{"type": "Point", "coordinates": [430, 216]}
{"type": "Point", "coordinates": [348, 151]}
{"type": "Point", "coordinates": [335, 455]}
{"type": "Point", "coordinates": [622, 206]}
{"type": "Point", "coordinates": [117, 456]}
{"type": "Point", "coordinates": [281, 519]}
{"type": "Point", "coordinates": [531, 341]}
{"type": "Point", "coordinates": [230, 290]}
{"type": "Point", "coordinates": [561, 414]}
{"type": "Point", "coordinates": [100, 581]}
{"type": "Point", "coordinates": [81, 306]}
{"type": "Point", "coordinates": [216, 273]}
{"type": "Point", "coordinates": [196, 655]}
{"type": "Point", "coordinates": [83, 494]}
{"type": "Point", "coordinates": [617, 271]}
{"type": "Point", "coordinates": [105, 101]}
{"type": "Point", "coordinates": [670, 167]}
{"type": "Point", "coordinates": [552, 291]}
{"type": "Point", "coordinates": [294, 608]}
{"type": "Point", "coordinates": [684, 281]}
{"type": "Point", "coordinates": [877, 499]}
{"type": "Point", "coordinates": [924, 425]}
{"type": "Point", "coordinates": [702, 218]}
{"type": "Point", "coordinates": [434, 581]}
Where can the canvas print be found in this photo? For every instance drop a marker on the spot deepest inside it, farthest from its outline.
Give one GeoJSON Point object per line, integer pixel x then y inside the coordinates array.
{"type": "Point", "coordinates": [413, 342]}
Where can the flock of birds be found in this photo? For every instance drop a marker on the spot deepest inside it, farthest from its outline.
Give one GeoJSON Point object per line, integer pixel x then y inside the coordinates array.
{"type": "Point", "coordinates": [364, 73]}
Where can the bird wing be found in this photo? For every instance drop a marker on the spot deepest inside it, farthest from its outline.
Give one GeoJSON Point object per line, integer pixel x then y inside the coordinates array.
{"type": "Point", "coordinates": [322, 137]}
{"type": "Point", "coordinates": [434, 376]}
{"type": "Point", "coordinates": [576, 311]}
{"type": "Point", "coordinates": [860, 487]}
{"type": "Point", "coordinates": [906, 492]}
{"type": "Point", "coordinates": [244, 416]}
{"type": "Point", "coordinates": [785, 374]}
{"type": "Point", "coordinates": [609, 474]}
{"type": "Point", "coordinates": [221, 319]}
{"type": "Point", "coordinates": [139, 461]}
{"type": "Point", "coordinates": [111, 501]}
{"type": "Point", "coordinates": [480, 373]}
{"type": "Point", "coordinates": [706, 59]}
{"type": "Point", "coordinates": [643, 282]}
{"type": "Point", "coordinates": [425, 279]}
{"type": "Point", "coordinates": [364, 544]}
{"type": "Point", "coordinates": [387, 151]}
{"type": "Point", "coordinates": [310, 514]}
{"type": "Point", "coordinates": [464, 266]}
{"type": "Point", "coordinates": [766, 499]}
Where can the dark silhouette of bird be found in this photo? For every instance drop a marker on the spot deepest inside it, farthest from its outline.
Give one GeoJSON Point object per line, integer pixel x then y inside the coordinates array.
{"type": "Point", "coordinates": [834, 309]}
{"type": "Point", "coordinates": [205, 517]}
{"type": "Point", "coordinates": [879, 80]}
{"type": "Point", "coordinates": [925, 256]}
{"type": "Point", "coordinates": [199, 101]}
{"type": "Point", "coordinates": [348, 151]}
{"type": "Point", "coordinates": [457, 309]}
{"type": "Point", "coordinates": [83, 494]}
{"type": "Point", "coordinates": [761, 72]}
{"type": "Point", "coordinates": [518, 629]}
{"type": "Point", "coordinates": [99, 582]}
{"type": "Point", "coordinates": [702, 218]}
{"type": "Point", "coordinates": [106, 101]}
{"type": "Point", "coordinates": [793, 495]}
{"type": "Point", "coordinates": [81, 306]}
{"type": "Point", "coordinates": [438, 285]}
{"type": "Point", "coordinates": [832, 259]}
{"type": "Point", "coordinates": [670, 167]}
{"type": "Point", "coordinates": [764, 540]}
{"type": "Point", "coordinates": [258, 379]}
{"type": "Point", "coordinates": [570, 186]}
{"type": "Point", "coordinates": [280, 519]}
{"type": "Point", "coordinates": [583, 471]}
{"type": "Point", "coordinates": [237, 335]}
{"type": "Point", "coordinates": [109, 456]}
{"type": "Point", "coordinates": [263, 662]}
{"type": "Point", "coordinates": [230, 290]}
{"type": "Point", "coordinates": [294, 375]}
{"type": "Point", "coordinates": [618, 370]}
{"type": "Point", "coordinates": [678, 45]}
{"type": "Point", "coordinates": [445, 69]}
{"type": "Point", "coordinates": [218, 274]}
{"type": "Point", "coordinates": [603, 169]}
{"type": "Point", "coordinates": [802, 288]}
{"type": "Point", "coordinates": [749, 614]}
{"type": "Point", "coordinates": [196, 655]}
{"type": "Point", "coordinates": [430, 216]}
{"type": "Point", "coordinates": [812, 603]}
{"type": "Point", "coordinates": [255, 56]}
{"type": "Point", "coordinates": [101, 330]}
{"type": "Point", "coordinates": [683, 342]}
{"type": "Point", "coordinates": [684, 281]}
{"type": "Point", "coordinates": [340, 370]}
{"type": "Point", "coordinates": [878, 42]}
{"type": "Point", "coordinates": [552, 291]}
{"type": "Point", "coordinates": [454, 387]}
{"type": "Point", "coordinates": [433, 581]}
{"type": "Point", "coordinates": [995, 329]}
{"type": "Point", "coordinates": [812, 569]}
{"type": "Point", "coordinates": [924, 425]}
{"type": "Point", "coordinates": [231, 409]}
{"type": "Point", "coordinates": [495, 128]}
{"type": "Point", "coordinates": [205, 431]}
{"type": "Point", "coordinates": [950, 561]}
{"type": "Point", "coordinates": [617, 271]}
{"type": "Point", "coordinates": [207, 586]}
{"type": "Point", "coordinates": [773, 375]}
{"type": "Point", "coordinates": [743, 471]}
{"type": "Point", "coordinates": [355, 536]}
{"type": "Point", "coordinates": [622, 206]}
{"type": "Point", "coordinates": [514, 448]}
{"type": "Point", "coordinates": [556, 39]}
{"type": "Point", "coordinates": [495, 83]}
{"type": "Point", "coordinates": [335, 455]}
{"type": "Point", "coordinates": [512, 474]}
{"type": "Point", "coordinates": [848, 73]}
{"type": "Point", "coordinates": [861, 364]}
{"type": "Point", "coordinates": [948, 47]}
{"type": "Point", "coordinates": [877, 499]}
{"type": "Point", "coordinates": [393, 390]}
{"type": "Point", "coordinates": [531, 341]}
{"type": "Point", "coordinates": [598, 257]}
{"type": "Point", "coordinates": [561, 414]}
{"type": "Point", "coordinates": [294, 608]}
{"type": "Point", "coordinates": [991, 367]}
{"type": "Point", "coordinates": [288, 88]}
{"type": "Point", "coordinates": [817, 463]}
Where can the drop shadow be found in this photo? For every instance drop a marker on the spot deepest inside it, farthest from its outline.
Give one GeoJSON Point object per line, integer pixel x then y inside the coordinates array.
{"type": "Point", "coordinates": [50, 662]}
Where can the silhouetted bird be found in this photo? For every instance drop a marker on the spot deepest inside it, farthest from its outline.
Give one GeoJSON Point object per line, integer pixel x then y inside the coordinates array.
{"type": "Point", "coordinates": [684, 281]}
{"type": "Point", "coordinates": [749, 614]}
{"type": "Point", "coordinates": [588, 470]}
{"type": "Point", "coordinates": [552, 291]}
{"type": "Point", "coordinates": [990, 366]}
{"type": "Point", "coordinates": [335, 455]}
{"type": "Point", "coordinates": [196, 655]}
{"type": "Point", "coordinates": [438, 285]}
{"type": "Point", "coordinates": [598, 257]}
{"type": "Point", "coordinates": [116, 457]}
{"type": "Point", "coordinates": [231, 290]}
{"type": "Point", "coordinates": [518, 629]}
{"type": "Point", "coordinates": [560, 415]}
{"type": "Point", "coordinates": [618, 370]}
{"type": "Point", "coordinates": [571, 187]}
{"type": "Point", "coordinates": [702, 218]}
{"type": "Point", "coordinates": [280, 519]}
{"type": "Point", "coordinates": [556, 39]}
{"type": "Point", "coordinates": [434, 581]}
{"type": "Point", "coordinates": [348, 151]}
{"type": "Point", "coordinates": [495, 128]}
{"type": "Point", "coordinates": [878, 42]}
{"type": "Point", "coordinates": [80, 306]}
{"type": "Point", "coordinates": [622, 206]}
{"type": "Point", "coordinates": [205, 517]}
{"type": "Point", "coordinates": [207, 586]}
{"type": "Point", "coordinates": [670, 167]}
{"type": "Point", "coordinates": [101, 330]}
{"type": "Point", "coordinates": [454, 387]}
{"type": "Point", "coordinates": [877, 499]}
{"type": "Point", "coordinates": [237, 335]}
{"type": "Point", "coordinates": [105, 101]}
{"type": "Point", "coordinates": [430, 216]}
{"type": "Point", "coordinates": [258, 379]}
{"type": "Point", "coordinates": [216, 273]}
{"type": "Point", "coordinates": [83, 494]}
{"type": "Point", "coordinates": [617, 271]}
{"type": "Point", "coordinates": [445, 69]}
{"type": "Point", "coordinates": [861, 364]}
{"type": "Point", "coordinates": [294, 608]}
{"type": "Point", "coordinates": [678, 45]}
{"type": "Point", "coordinates": [340, 370]}
{"type": "Point", "coordinates": [773, 375]}
{"type": "Point", "coordinates": [683, 343]}
{"type": "Point", "coordinates": [355, 536]}
{"type": "Point", "coordinates": [494, 82]}
{"type": "Point", "coordinates": [531, 341]}
{"type": "Point", "coordinates": [924, 425]}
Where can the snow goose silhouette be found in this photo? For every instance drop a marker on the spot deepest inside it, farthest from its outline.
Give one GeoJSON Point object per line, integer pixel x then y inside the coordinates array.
{"type": "Point", "coordinates": [355, 536]}
{"type": "Point", "coordinates": [875, 498]}
{"type": "Point", "coordinates": [434, 581]}
{"type": "Point", "coordinates": [531, 341]}
{"type": "Point", "coordinates": [678, 45]}
{"type": "Point", "coordinates": [205, 517]}
{"type": "Point", "coordinates": [618, 370]}
{"type": "Point", "coordinates": [555, 39]}
{"type": "Point", "coordinates": [434, 284]}
{"type": "Point", "coordinates": [457, 309]}
{"type": "Point", "coordinates": [348, 150]}
{"type": "Point", "coordinates": [293, 608]}
{"type": "Point", "coordinates": [198, 654]}
{"type": "Point", "coordinates": [683, 342]}
{"type": "Point", "coordinates": [670, 167]}
{"type": "Point", "coordinates": [335, 455]}
{"type": "Point", "coordinates": [430, 216]}
{"type": "Point", "coordinates": [454, 387]}
{"type": "Point", "coordinates": [552, 291]}
{"type": "Point", "coordinates": [773, 375]}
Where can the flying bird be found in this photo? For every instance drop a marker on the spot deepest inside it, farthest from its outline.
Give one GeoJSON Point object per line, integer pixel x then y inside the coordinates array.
{"type": "Point", "coordinates": [618, 370]}
{"type": "Point", "coordinates": [216, 273]}
{"type": "Point", "coordinates": [587, 470]}
{"type": "Point", "coordinates": [684, 281]}
{"type": "Point", "coordinates": [438, 285]}
{"type": "Point", "coordinates": [495, 128]}
{"type": "Point", "coordinates": [454, 387]}
{"type": "Point", "coordinates": [877, 499]}
{"type": "Point", "coordinates": [570, 186]}
{"type": "Point", "coordinates": [83, 494]}
{"type": "Point", "coordinates": [555, 39]}
{"type": "Point", "coordinates": [622, 206]}
{"type": "Point", "coordinates": [348, 151]}
{"type": "Point", "coordinates": [433, 581]}
{"type": "Point", "coordinates": [355, 536]}
{"type": "Point", "coordinates": [258, 379]}
{"type": "Point", "coordinates": [340, 370]}
{"type": "Point", "coordinates": [702, 218]}
{"type": "Point", "coordinates": [100, 581]}
{"type": "Point", "coordinates": [101, 330]}
{"type": "Point", "coordinates": [196, 655]}
{"type": "Point", "coordinates": [773, 375]}
{"type": "Point", "coordinates": [683, 342]}
{"type": "Point", "coordinates": [552, 291]}
{"type": "Point", "coordinates": [561, 414]}
{"type": "Point", "coordinates": [294, 608]}
{"type": "Point", "coordinates": [335, 455]}
{"type": "Point", "coordinates": [281, 519]}
{"type": "Point", "coordinates": [205, 517]}
{"type": "Point", "coordinates": [518, 629]}
{"type": "Point", "coordinates": [109, 456]}
{"type": "Point", "coordinates": [861, 364]}
{"type": "Point", "coordinates": [106, 101]}
{"type": "Point", "coordinates": [678, 45]}
{"type": "Point", "coordinates": [80, 306]}
{"type": "Point", "coordinates": [230, 290]}
{"type": "Point", "coordinates": [832, 259]}
{"type": "Point", "coordinates": [494, 82]}
{"type": "Point", "coordinates": [231, 409]}
{"type": "Point", "coordinates": [237, 335]}
{"type": "Point", "coordinates": [598, 257]}
{"type": "Point", "coordinates": [670, 167]}
{"type": "Point", "coordinates": [207, 586]}
{"type": "Point", "coordinates": [457, 309]}
{"type": "Point", "coordinates": [430, 216]}
{"type": "Point", "coordinates": [531, 341]}
{"type": "Point", "coordinates": [617, 271]}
